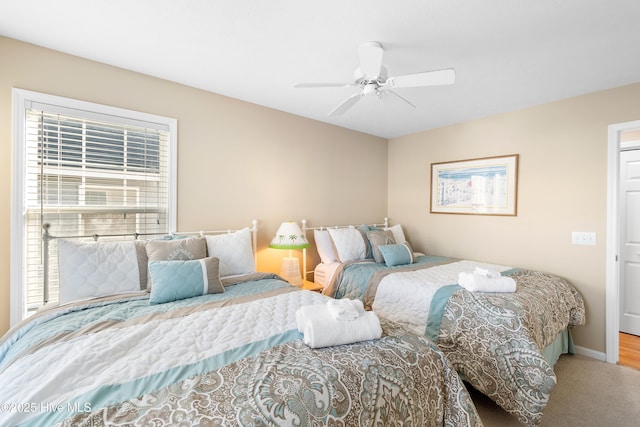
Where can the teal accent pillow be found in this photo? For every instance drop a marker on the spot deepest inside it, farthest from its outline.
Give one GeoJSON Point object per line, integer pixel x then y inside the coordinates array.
{"type": "Point", "coordinates": [397, 254]}
{"type": "Point", "coordinates": [180, 279]}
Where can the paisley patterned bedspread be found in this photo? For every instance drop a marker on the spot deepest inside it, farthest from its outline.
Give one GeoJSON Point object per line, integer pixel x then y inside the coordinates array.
{"type": "Point", "coordinates": [223, 359]}
{"type": "Point", "coordinates": [496, 341]}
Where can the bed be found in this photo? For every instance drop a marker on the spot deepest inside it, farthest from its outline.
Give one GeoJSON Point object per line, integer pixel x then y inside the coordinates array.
{"type": "Point", "coordinates": [225, 352]}
{"type": "Point", "coordinates": [504, 344]}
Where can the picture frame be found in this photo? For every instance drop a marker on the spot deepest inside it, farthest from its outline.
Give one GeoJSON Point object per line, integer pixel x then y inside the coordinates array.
{"type": "Point", "coordinates": [483, 186]}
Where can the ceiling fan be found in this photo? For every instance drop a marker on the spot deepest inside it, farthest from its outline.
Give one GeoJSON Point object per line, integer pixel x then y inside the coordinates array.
{"type": "Point", "coordinates": [371, 78]}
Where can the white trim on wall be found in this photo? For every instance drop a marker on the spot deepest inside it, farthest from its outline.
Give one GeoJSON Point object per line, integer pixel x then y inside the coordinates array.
{"type": "Point", "coordinates": [613, 241]}
{"type": "Point", "coordinates": [583, 351]}
{"type": "Point", "coordinates": [17, 280]}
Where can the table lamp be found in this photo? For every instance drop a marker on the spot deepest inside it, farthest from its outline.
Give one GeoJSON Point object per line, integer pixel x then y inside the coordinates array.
{"type": "Point", "coordinates": [290, 236]}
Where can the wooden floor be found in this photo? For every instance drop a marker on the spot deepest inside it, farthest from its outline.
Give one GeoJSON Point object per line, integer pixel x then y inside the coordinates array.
{"type": "Point", "coordinates": [629, 350]}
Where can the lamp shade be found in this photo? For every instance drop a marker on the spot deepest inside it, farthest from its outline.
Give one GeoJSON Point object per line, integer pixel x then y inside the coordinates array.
{"type": "Point", "coordinates": [289, 236]}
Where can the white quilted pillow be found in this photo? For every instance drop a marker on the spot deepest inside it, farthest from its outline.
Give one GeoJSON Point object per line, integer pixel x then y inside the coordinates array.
{"type": "Point", "coordinates": [235, 252]}
{"type": "Point", "coordinates": [324, 245]}
{"type": "Point", "coordinates": [90, 269]}
{"type": "Point", "coordinates": [349, 243]}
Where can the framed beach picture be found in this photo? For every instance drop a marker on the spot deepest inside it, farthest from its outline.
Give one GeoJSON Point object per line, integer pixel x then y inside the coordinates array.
{"type": "Point", "coordinates": [486, 186]}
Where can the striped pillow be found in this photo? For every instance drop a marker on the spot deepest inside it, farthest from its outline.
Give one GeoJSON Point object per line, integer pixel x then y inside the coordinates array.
{"type": "Point", "coordinates": [398, 254]}
{"type": "Point", "coordinates": [176, 280]}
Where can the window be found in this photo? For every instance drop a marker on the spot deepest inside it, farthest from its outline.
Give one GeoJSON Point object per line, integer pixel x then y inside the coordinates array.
{"type": "Point", "coordinates": [83, 169]}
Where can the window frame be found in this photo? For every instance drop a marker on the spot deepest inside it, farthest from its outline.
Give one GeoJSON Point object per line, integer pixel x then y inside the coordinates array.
{"type": "Point", "coordinates": [21, 99]}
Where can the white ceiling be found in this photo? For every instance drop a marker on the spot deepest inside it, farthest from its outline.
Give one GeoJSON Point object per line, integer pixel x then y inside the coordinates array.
{"type": "Point", "coordinates": [508, 54]}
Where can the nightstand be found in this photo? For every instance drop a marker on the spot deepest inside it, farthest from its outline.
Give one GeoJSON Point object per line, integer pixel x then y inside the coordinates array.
{"type": "Point", "coordinates": [310, 286]}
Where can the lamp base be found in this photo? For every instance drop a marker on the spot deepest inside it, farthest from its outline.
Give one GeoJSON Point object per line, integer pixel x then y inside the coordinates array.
{"type": "Point", "coordinates": [290, 271]}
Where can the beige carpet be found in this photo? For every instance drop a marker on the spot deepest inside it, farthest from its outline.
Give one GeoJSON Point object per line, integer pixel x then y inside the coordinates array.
{"type": "Point", "coordinates": [588, 393]}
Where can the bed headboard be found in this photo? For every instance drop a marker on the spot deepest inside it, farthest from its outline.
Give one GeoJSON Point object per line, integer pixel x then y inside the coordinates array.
{"type": "Point", "coordinates": [305, 228]}
{"type": "Point", "coordinates": [47, 237]}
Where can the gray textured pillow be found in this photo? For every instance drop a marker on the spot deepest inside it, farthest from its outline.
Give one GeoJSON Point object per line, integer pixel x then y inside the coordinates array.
{"type": "Point", "coordinates": [173, 250]}
{"type": "Point", "coordinates": [379, 238]}
{"type": "Point", "coordinates": [141, 254]}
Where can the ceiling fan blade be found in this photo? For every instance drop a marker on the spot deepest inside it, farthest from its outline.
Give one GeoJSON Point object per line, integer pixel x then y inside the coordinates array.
{"type": "Point", "coordinates": [345, 105]}
{"type": "Point", "coordinates": [383, 93]}
{"type": "Point", "coordinates": [370, 55]}
{"type": "Point", "coordinates": [427, 78]}
{"type": "Point", "coordinates": [312, 85]}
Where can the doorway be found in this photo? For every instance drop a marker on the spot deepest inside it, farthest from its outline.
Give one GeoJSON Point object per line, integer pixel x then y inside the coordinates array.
{"type": "Point", "coordinates": [623, 256]}
{"type": "Point", "coordinates": [629, 231]}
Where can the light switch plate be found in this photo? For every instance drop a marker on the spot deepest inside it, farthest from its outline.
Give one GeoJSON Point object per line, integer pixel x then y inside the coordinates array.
{"type": "Point", "coordinates": [583, 238]}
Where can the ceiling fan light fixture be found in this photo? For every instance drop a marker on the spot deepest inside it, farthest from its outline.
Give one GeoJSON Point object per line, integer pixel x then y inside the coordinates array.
{"type": "Point", "coordinates": [369, 88]}
{"type": "Point", "coordinates": [371, 77]}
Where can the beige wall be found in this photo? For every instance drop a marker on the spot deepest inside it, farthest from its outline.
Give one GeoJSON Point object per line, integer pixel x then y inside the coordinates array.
{"type": "Point", "coordinates": [236, 161]}
{"type": "Point", "coordinates": [562, 188]}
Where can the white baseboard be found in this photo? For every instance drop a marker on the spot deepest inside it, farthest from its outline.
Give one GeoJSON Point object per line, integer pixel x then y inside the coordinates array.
{"type": "Point", "coordinates": [598, 355]}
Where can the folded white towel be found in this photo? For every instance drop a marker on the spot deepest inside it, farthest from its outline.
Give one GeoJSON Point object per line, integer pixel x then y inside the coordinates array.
{"type": "Point", "coordinates": [345, 309]}
{"type": "Point", "coordinates": [489, 273]}
{"type": "Point", "coordinates": [301, 315]}
{"type": "Point", "coordinates": [321, 329]}
{"type": "Point", "coordinates": [481, 283]}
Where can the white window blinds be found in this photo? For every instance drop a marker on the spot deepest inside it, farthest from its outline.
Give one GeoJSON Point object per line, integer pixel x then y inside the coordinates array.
{"type": "Point", "coordinates": [87, 173]}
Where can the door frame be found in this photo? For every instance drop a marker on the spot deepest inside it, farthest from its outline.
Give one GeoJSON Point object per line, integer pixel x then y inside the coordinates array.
{"type": "Point", "coordinates": [613, 239]}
